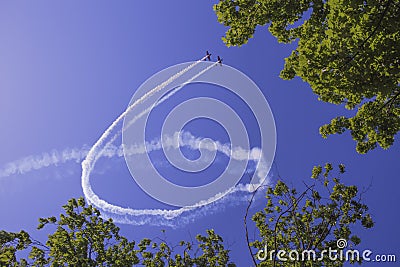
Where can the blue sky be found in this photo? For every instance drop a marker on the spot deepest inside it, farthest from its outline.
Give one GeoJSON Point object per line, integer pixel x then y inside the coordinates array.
{"type": "Point", "coordinates": [67, 70]}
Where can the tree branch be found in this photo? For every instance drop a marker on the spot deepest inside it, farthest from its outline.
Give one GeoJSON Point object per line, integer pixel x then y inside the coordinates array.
{"type": "Point", "coordinates": [287, 210]}
{"type": "Point", "coordinates": [391, 100]}
{"type": "Point", "coordinates": [245, 224]}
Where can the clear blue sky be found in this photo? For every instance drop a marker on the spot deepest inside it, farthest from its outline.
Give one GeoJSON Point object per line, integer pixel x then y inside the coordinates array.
{"type": "Point", "coordinates": [67, 70]}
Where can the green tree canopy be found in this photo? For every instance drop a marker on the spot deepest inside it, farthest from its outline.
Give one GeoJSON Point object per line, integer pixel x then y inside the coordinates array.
{"type": "Point", "coordinates": [82, 237]}
{"type": "Point", "coordinates": [310, 220]}
{"type": "Point", "coordinates": [347, 50]}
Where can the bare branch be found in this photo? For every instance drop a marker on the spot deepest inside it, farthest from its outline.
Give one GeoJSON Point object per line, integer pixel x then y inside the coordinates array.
{"type": "Point", "coordinates": [245, 223]}
{"type": "Point", "coordinates": [287, 210]}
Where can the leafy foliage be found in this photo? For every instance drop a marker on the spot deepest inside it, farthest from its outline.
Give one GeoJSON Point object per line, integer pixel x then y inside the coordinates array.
{"type": "Point", "coordinates": [10, 243]}
{"type": "Point", "coordinates": [348, 51]}
{"type": "Point", "coordinates": [83, 238]}
{"type": "Point", "coordinates": [311, 220]}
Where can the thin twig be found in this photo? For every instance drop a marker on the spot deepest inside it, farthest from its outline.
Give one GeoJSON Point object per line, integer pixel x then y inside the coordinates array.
{"type": "Point", "coordinates": [245, 223]}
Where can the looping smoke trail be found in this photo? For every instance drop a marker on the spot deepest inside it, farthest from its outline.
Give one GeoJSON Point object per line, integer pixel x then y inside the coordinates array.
{"type": "Point", "coordinates": [94, 153]}
{"type": "Point", "coordinates": [131, 216]}
{"type": "Point", "coordinates": [147, 216]}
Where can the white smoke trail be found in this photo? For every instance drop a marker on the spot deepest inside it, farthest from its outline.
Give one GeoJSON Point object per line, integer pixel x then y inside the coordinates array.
{"type": "Point", "coordinates": [117, 212]}
{"type": "Point", "coordinates": [147, 110]}
{"type": "Point", "coordinates": [94, 154]}
{"type": "Point", "coordinates": [148, 216]}
{"type": "Point", "coordinates": [177, 218]}
{"type": "Point", "coordinates": [93, 151]}
{"type": "Point", "coordinates": [238, 196]}
{"type": "Point", "coordinates": [53, 158]}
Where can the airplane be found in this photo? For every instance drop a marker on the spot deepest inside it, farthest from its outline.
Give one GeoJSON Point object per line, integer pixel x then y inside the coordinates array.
{"type": "Point", "coordinates": [208, 56]}
{"type": "Point", "coordinates": [219, 61]}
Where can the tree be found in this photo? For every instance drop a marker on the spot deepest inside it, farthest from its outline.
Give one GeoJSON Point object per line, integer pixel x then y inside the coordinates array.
{"type": "Point", "coordinates": [347, 50]}
{"type": "Point", "coordinates": [314, 219]}
{"type": "Point", "coordinates": [83, 238]}
{"type": "Point", "coordinates": [319, 218]}
{"type": "Point", "coordinates": [10, 243]}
